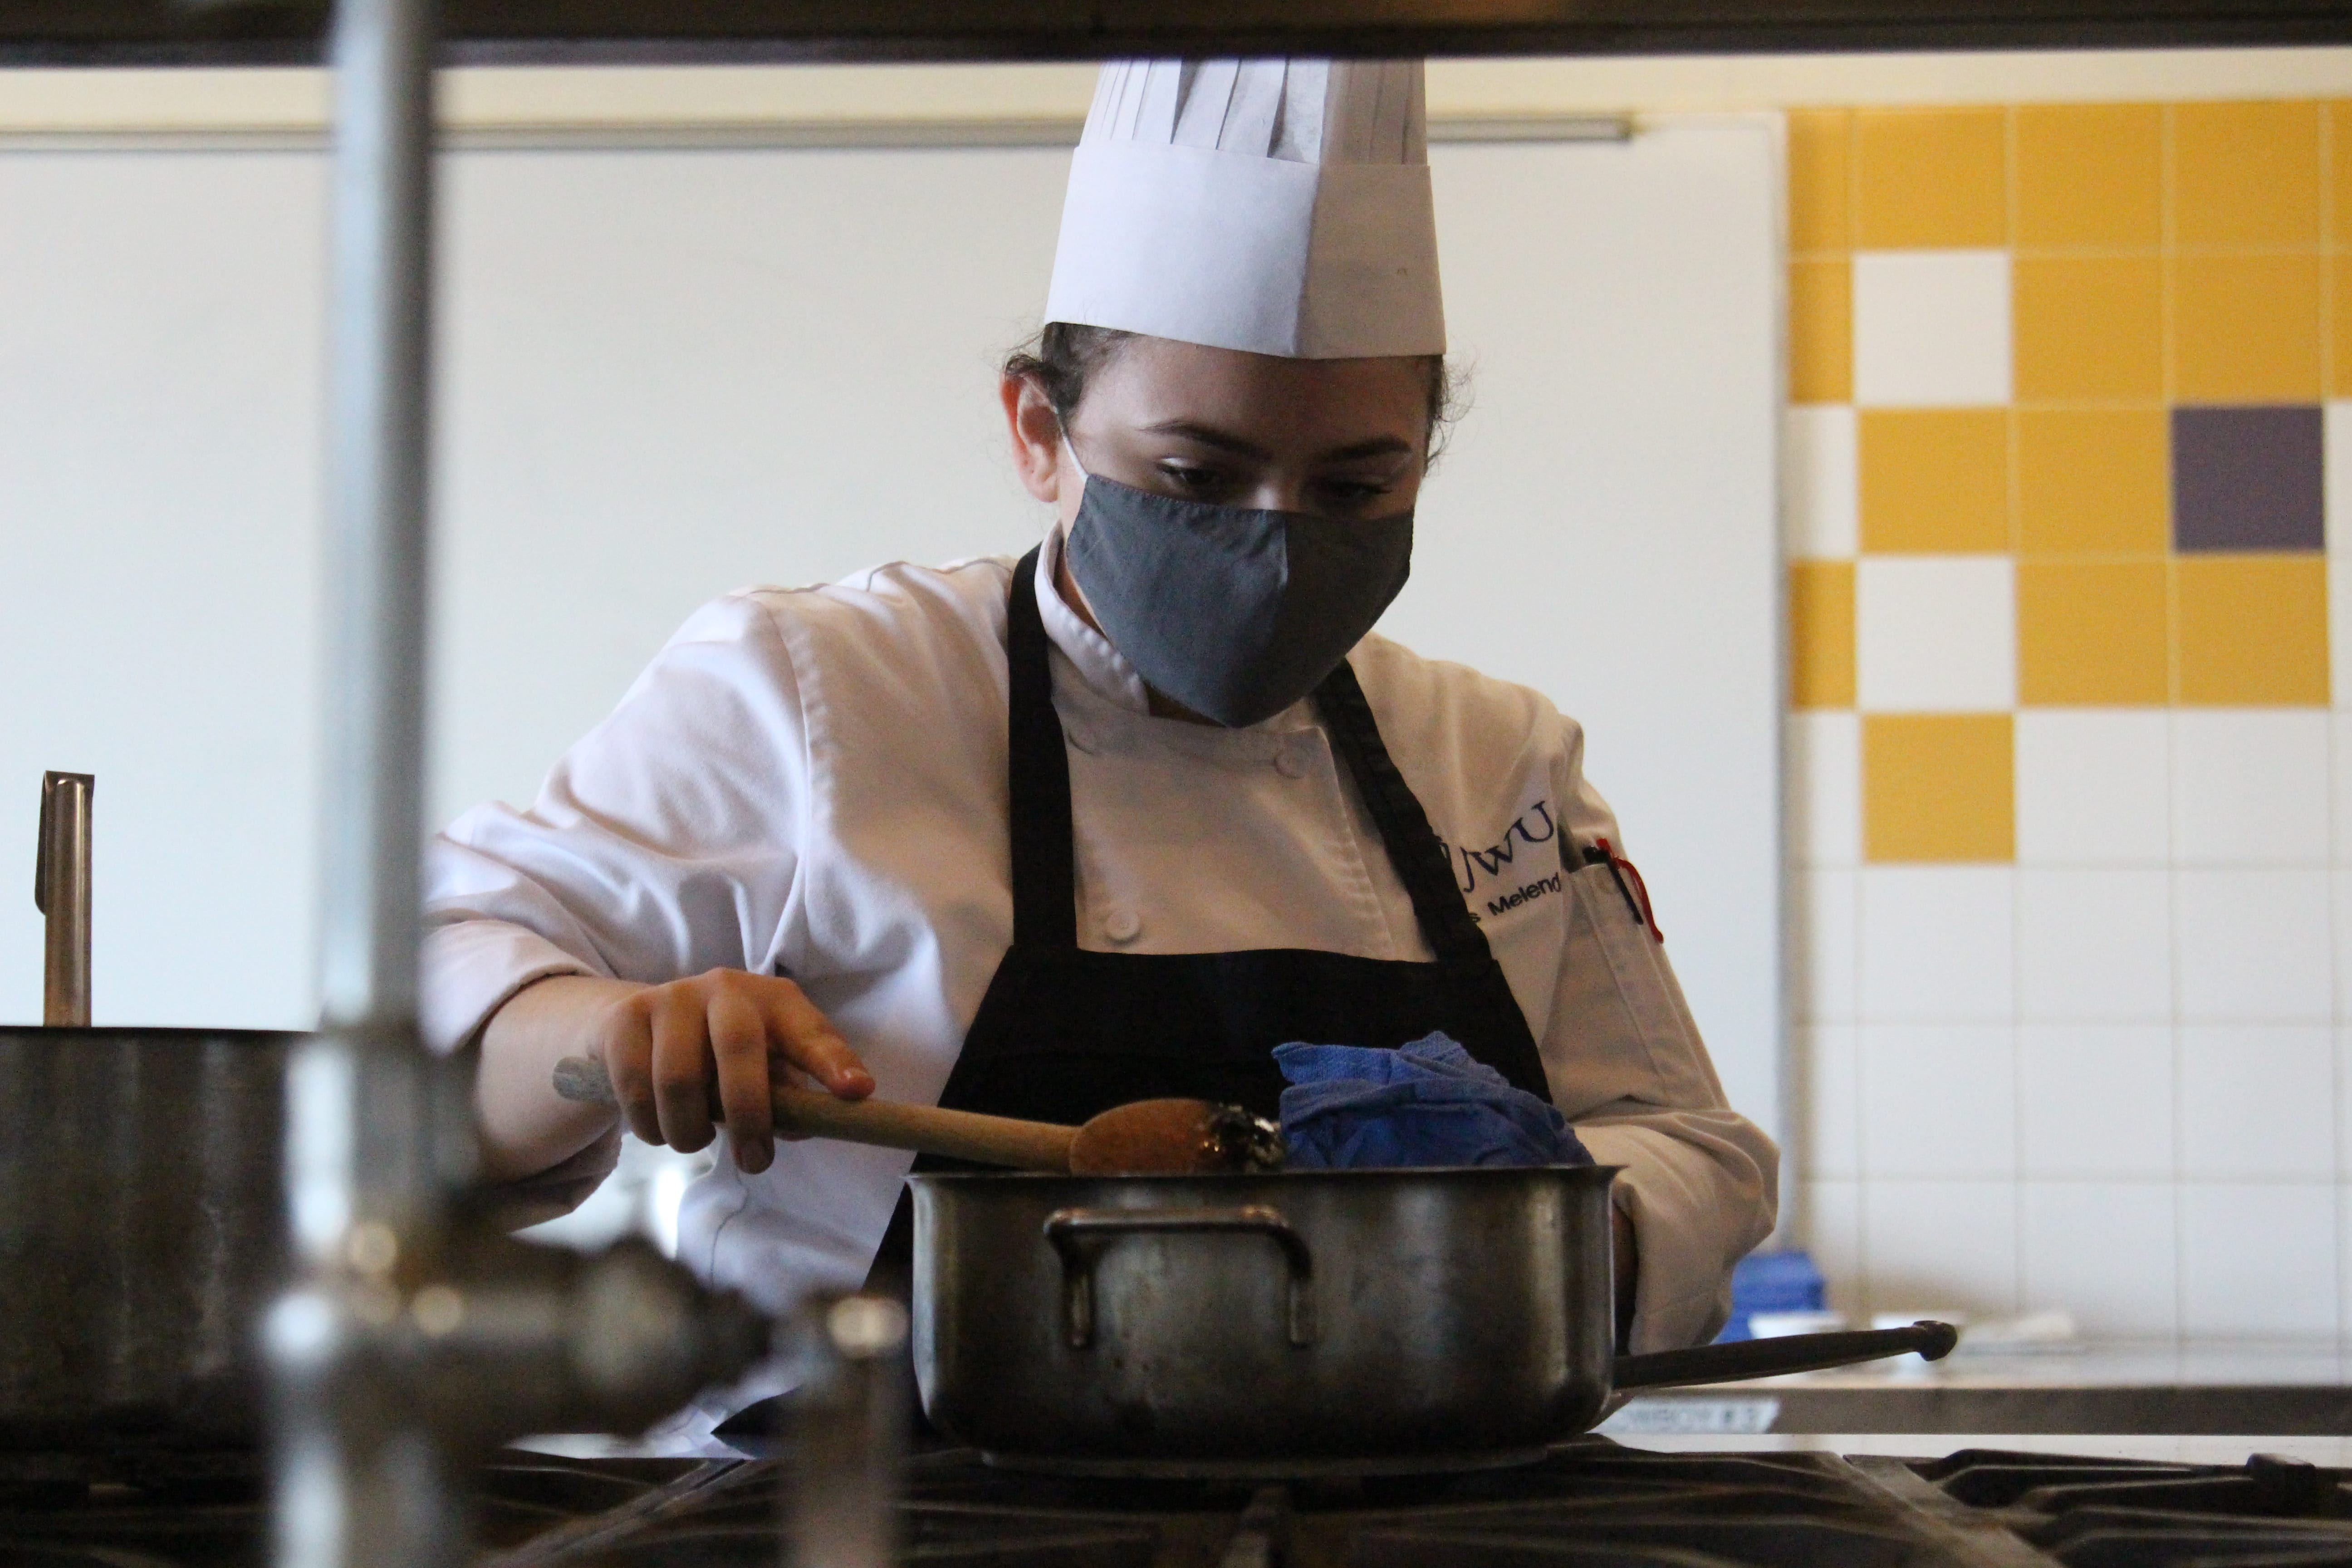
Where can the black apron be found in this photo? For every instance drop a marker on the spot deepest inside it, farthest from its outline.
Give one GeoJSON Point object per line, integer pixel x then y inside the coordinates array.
{"type": "Point", "coordinates": [1064, 1032]}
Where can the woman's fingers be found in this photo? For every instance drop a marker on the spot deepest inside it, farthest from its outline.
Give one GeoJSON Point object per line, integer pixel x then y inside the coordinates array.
{"type": "Point", "coordinates": [628, 1062]}
{"type": "Point", "coordinates": [681, 1068]}
{"type": "Point", "coordinates": [667, 1045]}
{"type": "Point", "coordinates": [806, 1037]}
{"type": "Point", "coordinates": [739, 1043]}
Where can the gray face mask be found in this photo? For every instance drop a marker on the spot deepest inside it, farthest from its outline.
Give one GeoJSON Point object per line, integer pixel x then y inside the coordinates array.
{"type": "Point", "coordinates": [1235, 613]}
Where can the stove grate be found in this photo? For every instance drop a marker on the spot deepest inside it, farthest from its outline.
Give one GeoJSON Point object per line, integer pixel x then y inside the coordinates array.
{"type": "Point", "coordinates": [2271, 1513]}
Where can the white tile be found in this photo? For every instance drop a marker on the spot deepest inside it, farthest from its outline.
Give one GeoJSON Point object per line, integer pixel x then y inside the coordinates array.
{"type": "Point", "coordinates": [2094, 944]}
{"type": "Point", "coordinates": [2106, 1252]}
{"type": "Point", "coordinates": [2258, 1260]}
{"type": "Point", "coordinates": [2337, 458]}
{"type": "Point", "coordinates": [1833, 1234]}
{"type": "Point", "coordinates": [2340, 738]}
{"type": "Point", "coordinates": [2343, 1264]}
{"type": "Point", "coordinates": [2250, 786]}
{"type": "Point", "coordinates": [1822, 754]}
{"type": "Point", "coordinates": [2343, 1036]}
{"type": "Point", "coordinates": [2094, 786]}
{"type": "Point", "coordinates": [1822, 946]}
{"type": "Point", "coordinates": [1936, 944]}
{"type": "Point", "coordinates": [1938, 1099]}
{"type": "Point", "coordinates": [1820, 481]}
{"type": "Point", "coordinates": [1833, 1090]}
{"type": "Point", "coordinates": [1936, 634]}
{"type": "Point", "coordinates": [2339, 601]}
{"type": "Point", "coordinates": [1931, 327]}
{"type": "Point", "coordinates": [1931, 1245]}
{"type": "Point", "coordinates": [2253, 946]}
{"type": "Point", "coordinates": [2340, 881]}
{"type": "Point", "coordinates": [2095, 1100]}
{"type": "Point", "coordinates": [2257, 1102]}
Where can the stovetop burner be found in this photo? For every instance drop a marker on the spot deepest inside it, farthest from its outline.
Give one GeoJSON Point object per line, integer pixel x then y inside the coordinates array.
{"type": "Point", "coordinates": [2271, 1513]}
{"type": "Point", "coordinates": [171, 1508]}
{"type": "Point", "coordinates": [1590, 1504]}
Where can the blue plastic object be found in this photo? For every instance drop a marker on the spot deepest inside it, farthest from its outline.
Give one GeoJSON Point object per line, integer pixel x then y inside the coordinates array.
{"type": "Point", "coordinates": [1772, 1282]}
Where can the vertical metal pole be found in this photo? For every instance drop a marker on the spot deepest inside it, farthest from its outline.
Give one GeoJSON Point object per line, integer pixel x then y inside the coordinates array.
{"type": "Point", "coordinates": [374, 732]}
{"type": "Point", "coordinates": [357, 1482]}
{"type": "Point", "coordinates": [849, 1430]}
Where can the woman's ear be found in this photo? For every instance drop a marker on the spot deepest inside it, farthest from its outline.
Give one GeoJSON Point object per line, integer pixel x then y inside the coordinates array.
{"type": "Point", "coordinates": [1037, 434]}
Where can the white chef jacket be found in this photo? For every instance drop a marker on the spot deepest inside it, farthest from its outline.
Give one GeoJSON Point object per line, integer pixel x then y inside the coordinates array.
{"type": "Point", "coordinates": [812, 782]}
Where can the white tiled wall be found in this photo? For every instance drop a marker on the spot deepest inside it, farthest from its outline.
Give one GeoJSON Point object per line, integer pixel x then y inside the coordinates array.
{"type": "Point", "coordinates": [2114, 1077]}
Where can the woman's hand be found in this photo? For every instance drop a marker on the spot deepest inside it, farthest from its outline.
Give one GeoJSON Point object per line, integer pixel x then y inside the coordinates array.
{"type": "Point", "coordinates": [668, 1046]}
{"type": "Point", "coordinates": [681, 1056]}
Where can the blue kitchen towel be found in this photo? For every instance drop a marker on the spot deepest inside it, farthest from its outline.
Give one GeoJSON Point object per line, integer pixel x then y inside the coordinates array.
{"type": "Point", "coordinates": [1427, 1103]}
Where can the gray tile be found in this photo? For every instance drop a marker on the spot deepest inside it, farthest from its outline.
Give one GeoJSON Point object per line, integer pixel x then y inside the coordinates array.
{"type": "Point", "coordinates": [2247, 479]}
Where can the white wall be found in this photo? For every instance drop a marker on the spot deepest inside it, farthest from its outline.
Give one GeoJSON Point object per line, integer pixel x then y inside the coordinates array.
{"type": "Point", "coordinates": [668, 374]}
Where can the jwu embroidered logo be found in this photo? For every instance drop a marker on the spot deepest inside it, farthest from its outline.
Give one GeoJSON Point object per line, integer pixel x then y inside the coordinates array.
{"type": "Point", "coordinates": [1510, 882]}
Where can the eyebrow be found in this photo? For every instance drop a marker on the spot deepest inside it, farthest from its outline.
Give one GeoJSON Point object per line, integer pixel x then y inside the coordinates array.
{"type": "Point", "coordinates": [1226, 441]}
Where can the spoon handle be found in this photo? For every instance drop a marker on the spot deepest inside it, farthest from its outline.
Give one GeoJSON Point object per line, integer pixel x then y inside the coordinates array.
{"type": "Point", "coordinates": [882, 1123]}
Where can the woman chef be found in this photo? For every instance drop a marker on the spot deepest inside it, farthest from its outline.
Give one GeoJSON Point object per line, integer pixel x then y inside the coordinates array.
{"type": "Point", "coordinates": [1112, 821]}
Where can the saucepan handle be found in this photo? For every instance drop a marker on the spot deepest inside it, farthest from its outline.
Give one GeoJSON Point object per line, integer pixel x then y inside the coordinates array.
{"type": "Point", "coordinates": [1078, 1235]}
{"type": "Point", "coordinates": [1788, 1353]}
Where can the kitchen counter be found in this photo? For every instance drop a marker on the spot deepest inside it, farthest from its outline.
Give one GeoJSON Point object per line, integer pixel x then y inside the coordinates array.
{"type": "Point", "coordinates": [2106, 1388]}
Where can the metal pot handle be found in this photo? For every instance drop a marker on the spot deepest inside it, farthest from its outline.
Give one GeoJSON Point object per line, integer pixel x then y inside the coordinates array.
{"type": "Point", "coordinates": [1745, 1359]}
{"type": "Point", "coordinates": [1078, 1235]}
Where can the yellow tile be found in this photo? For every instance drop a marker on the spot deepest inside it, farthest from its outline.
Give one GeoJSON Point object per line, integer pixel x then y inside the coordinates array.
{"type": "Point", "coordinates": [2090, 174]}
{"type": "Point", "coordinates": [1935, 479]}
{"type": "Point", "coordinates": [2093, 481]}
{"type": "Point", "coordinates": [1818, 172]}
{"type": "Point", "coordinates": [1821, 634]}
{"type": "Point", "coordinates": [2088, 327]}
{"type": "Point", "coordinates": [1938, 787]}
{"type": "Point", "coordinates": [1820, 330]}
{"type": "Point", "coordinates": [2246, 329]}
{"type": "Point", "coordinates": [2091, 634]}
{"type": "Point", "coordinates": [2250, 630]}
{"type": "Point", "coordinates": [2245, 175]}
{"type": "Point", "coordinates": [2340, 153]}
{"type": "Point", "coordinates": [2340, 312]}
{"type": "Point", "coordinates": [1929, 177]}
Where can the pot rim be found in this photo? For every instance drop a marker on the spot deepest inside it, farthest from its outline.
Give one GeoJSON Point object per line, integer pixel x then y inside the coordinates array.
{"type": "Point", "coordinates": [176, 1033]}
{"type": "Point", "coordinates": [1594, 1176]}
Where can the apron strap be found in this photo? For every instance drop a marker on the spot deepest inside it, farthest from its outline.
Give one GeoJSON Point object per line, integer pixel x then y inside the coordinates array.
{"type": "Point", "coordinates": [1045, 868]}
{"type": "Point", "coordinates": [1413, 845]}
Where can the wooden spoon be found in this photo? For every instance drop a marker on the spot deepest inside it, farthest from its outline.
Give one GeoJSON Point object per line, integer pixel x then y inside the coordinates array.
{"type": "Point", "coordinates": [1147, 1137]}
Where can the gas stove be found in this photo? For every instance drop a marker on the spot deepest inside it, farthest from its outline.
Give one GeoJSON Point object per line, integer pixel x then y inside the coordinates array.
{"type": "Point", "coordinates": [1590, 1504]}
{"type": "Point", "coordinates": [176, 1508]}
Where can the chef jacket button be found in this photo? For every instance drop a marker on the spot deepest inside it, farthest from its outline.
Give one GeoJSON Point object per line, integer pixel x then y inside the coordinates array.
{"type": "Point", "coordinates": [1290, 763]}
{"type": "Point", "coordinates": [1123, 925]}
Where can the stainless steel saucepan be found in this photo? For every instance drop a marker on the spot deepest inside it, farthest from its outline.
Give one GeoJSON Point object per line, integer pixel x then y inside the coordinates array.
{"type": "Point", "coordinates": [1311, 1320]}
{"type": "Point", "coordinates": [141, 1215]}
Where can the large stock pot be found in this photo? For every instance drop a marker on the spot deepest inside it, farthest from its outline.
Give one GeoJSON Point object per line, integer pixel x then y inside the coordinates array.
{"type": "Point", "coordinates": [1260, 1324]}
{"type": "Point", "coordinates": [142, 1227]}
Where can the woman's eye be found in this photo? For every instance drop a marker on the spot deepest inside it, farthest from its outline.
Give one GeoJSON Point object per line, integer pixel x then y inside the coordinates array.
{"type": "Point", "coordinates": [1354, 492]}
{"type": "Point", "coordinates": [1193, 477]}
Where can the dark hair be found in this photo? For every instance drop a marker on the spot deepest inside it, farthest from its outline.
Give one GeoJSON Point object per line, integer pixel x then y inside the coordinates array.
{"type": "Point", "coordinates": [1066, 357]}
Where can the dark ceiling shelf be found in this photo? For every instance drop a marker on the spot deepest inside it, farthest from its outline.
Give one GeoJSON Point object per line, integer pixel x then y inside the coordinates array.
{"type": "Point", "coordinates": [117, 32]}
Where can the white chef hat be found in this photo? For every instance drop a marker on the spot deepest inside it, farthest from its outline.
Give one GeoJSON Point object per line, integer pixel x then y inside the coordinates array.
{"type": "Point", "coordinates": [1277, 205]}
